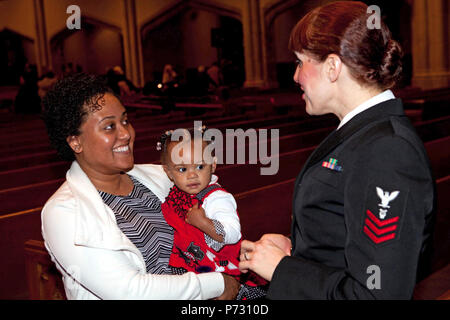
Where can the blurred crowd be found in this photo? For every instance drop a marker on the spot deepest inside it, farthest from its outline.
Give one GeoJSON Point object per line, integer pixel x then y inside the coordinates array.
{"type": "Point", "coordinates": [202, 81]}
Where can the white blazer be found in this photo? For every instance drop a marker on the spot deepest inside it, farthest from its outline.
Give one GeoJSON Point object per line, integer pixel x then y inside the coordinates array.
{"type": "Point", "coordinates": [96, 259]}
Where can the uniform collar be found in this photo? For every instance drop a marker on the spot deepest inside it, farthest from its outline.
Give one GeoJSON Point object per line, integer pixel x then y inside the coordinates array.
{"type": "Point", "coordinates": [379, 98]}
{"type": "Point", "coordinates": [377, 113]}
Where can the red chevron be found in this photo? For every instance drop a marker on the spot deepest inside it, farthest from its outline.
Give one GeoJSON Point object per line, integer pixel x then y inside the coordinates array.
{"type": "Point", "coordinates": [378, 239]}
{"type": "Point", "coordinates": [379, 222]}
{"type": "Point", "coordinates": [378, 231]}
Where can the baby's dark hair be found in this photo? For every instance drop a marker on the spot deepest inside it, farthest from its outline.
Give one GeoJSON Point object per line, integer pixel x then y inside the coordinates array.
{"type": "Point", "coordinates": [166, 139]}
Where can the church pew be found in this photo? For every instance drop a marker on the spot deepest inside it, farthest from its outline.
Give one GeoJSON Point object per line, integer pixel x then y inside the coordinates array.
{"type": "Point", "coordinates": [432, 129]}
{"type": "Point", "coordinates": [25, 145]}
{"type": "Point", "coordinates": [15, 230]}
{"type": "Point", "coordinates": [144, 152]}
{"type": "Point", "coordinates": [257, 218]}
{"type": "Point", "coordinates": [436, 109]}
{"type": "Point", "coordinates": [31, 175]}
{"type": "Point", "coordinates": [439, 155]}
{"type": "Point", "coordinates": [18, 199]}
{"type": "Point", "coordinates": [15, 199]}
{"type": "Point", "coordinates": [267, 209]}
{"type": "Point", "coordinates": [427, 130]}
{"type": "Point", "coordinates": [149, 127]}
{"type": "Point", "coordinates": [42, 143]}
{"type": "Point", "coordinates": [43, 279]}
{"type": "Point", "coordinates": [147, 136]}
{"type": "Point", "coordinates": [434, 287]}
{"type": "Point", "coordinates": [441, 254]}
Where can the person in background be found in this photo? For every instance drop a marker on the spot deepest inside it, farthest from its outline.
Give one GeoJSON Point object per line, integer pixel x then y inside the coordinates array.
{"type": "Point", "coordinates": [215, 74]}
{"type": "Point", "coordinates": [27, 99]}
{"type": "Point", "coordinates": [46, 83]}
{"type": "Point", "coordinates": [169, 77]}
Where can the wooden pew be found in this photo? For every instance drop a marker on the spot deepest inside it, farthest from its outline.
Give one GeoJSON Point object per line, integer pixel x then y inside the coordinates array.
{"type": "Point", "coordinates": [16, 199]}
{"type": "Point", "coordinates": [15, 230]}
{"type": "Point", "coordinates": [42, 143]}
{"type": "Point", "coordinates": [35, 195]}
{"type": "Point", "coordinates": [144, 137]}
{"type": "Point", "coordinates": [29, 174]}
{"type": "Point", "coordinates": [441, 254]}
{"type": "Point", "coordinates": [434, 287]}
{"type": "Point", "coordinates": [43, 279]}
{"type": "Point", "coordinates": [257, 217]}
{"type": "Point", "coordinates": [145, 152]}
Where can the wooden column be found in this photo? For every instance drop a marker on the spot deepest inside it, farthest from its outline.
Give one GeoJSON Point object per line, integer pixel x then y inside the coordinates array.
{"type": "Point", "coordinates": [253, 29]}
{"type": "Point", "coordinates": [43, 60]}
{"type": "Point", "coordinates": [431, 56]}
{"type": "Point", "coordinates": [132, 45]}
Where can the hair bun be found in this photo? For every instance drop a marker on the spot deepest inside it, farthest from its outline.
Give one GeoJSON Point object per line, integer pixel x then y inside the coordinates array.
{"type": "Point", "coordinates": [391, 66]}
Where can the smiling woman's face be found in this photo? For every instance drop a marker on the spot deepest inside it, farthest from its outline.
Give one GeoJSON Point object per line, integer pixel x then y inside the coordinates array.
{"type": "Point", "coordinates": [105, 145]}
{"type": "Point", "coordinates": [308, 75]}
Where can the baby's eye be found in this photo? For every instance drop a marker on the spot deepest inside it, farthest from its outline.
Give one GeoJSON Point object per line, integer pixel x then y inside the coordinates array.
{"type": "Point", "coordinates": [181, 170]}
{"type": "Point", "coordinates": [200, 167]}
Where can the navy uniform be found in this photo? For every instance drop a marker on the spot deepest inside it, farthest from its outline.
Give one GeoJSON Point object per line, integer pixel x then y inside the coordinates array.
{"type": "Point", "coordinates": [363, 213]}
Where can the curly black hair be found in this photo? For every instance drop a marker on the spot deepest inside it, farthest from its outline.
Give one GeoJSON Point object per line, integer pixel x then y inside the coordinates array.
{"type": "Point", "coordinates": [66, 106]}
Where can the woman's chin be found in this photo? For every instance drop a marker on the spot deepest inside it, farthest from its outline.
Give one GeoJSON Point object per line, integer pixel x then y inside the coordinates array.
{"type": "Point", "coordinates": [127, 166]}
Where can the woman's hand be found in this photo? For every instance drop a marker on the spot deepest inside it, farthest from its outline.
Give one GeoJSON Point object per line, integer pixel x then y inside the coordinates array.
{"type": "Point", "coordinates": [231, 290]}
{"type": "Point", "coordinates": [280, 241]}
{"type": "Point", "coordinates": [264, 255]}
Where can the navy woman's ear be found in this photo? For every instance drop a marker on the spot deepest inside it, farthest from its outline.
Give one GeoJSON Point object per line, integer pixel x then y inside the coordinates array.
{"type": "Point", "coordinates": [333, 67]}
{"type": "Point", "coordinates": [74, 144]}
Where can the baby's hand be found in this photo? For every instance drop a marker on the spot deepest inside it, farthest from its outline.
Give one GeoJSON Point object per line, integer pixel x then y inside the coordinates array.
{"type": "Point", "coordinates": [196, 217]}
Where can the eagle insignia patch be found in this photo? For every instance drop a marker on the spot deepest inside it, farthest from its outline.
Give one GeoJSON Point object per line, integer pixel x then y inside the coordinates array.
{"type": "Point", "coordinates": [382, 214]}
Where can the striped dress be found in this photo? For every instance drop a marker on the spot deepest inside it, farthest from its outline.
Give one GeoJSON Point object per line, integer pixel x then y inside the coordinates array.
{"type": "Point", "coordinates": [139, 217]}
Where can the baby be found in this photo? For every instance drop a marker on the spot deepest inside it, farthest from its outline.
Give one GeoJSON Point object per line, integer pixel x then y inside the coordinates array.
{"type": "Point", "coordinates": [207, 231]}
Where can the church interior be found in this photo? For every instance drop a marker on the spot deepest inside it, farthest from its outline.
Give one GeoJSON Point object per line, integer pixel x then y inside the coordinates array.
{"type": "Point", "coordinates": [224, 62]}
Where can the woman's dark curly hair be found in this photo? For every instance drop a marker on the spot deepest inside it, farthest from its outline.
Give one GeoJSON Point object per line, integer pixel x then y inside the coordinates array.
{"type": "Point", "coordinates": [67, 105]}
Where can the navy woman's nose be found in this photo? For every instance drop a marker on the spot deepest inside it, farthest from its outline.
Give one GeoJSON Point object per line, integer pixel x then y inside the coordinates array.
{"type": "Point", "coordinates": [296, 75]}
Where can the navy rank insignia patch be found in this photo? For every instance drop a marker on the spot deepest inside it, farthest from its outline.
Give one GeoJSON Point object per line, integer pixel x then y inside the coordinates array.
{"type": "Point", "coordinates": [383, 214]}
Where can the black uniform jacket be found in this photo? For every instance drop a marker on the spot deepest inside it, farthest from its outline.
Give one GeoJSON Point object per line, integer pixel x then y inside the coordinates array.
{"type": "Point", "coordinates": [363, 212]}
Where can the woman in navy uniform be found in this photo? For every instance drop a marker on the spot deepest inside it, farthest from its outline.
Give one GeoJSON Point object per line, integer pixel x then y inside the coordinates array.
{"type": "Point", "coordinates": [363, 203]}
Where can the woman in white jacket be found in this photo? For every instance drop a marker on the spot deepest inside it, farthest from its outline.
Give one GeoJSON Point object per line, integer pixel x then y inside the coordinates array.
{"type": "Point", "coordinates": [103, 253]}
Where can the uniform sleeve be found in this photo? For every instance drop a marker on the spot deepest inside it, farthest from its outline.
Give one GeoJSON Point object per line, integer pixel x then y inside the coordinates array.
{"type": "Point", "coordinates": [221, 207]}
{"type": "Point", "coordinates": [110, 274]}
{"type": "Point", "coordinates": [388, 198]}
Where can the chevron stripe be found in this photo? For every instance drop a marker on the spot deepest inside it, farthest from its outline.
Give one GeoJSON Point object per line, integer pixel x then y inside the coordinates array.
{"type": "Point", "coordinates": [379, 222]}
{"type": "Point", "coordinates": [139, 217]}
{"type": "Point", "coordinates": [377, 230]}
